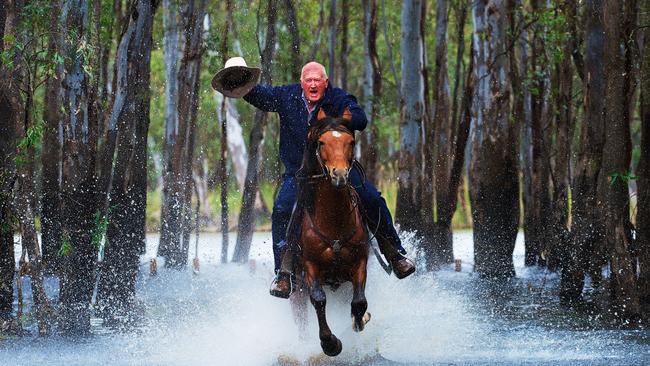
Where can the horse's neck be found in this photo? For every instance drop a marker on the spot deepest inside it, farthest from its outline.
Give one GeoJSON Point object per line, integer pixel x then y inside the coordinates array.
{"type": "Point", "coordinates": [334, 206]}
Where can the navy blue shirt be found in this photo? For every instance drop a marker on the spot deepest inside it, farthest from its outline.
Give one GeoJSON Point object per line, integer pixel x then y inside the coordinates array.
{"type": "Point", "coordinates": [288, 102]}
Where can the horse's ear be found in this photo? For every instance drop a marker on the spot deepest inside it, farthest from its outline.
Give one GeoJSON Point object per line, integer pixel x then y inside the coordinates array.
{"type": "Point", "coordinates": [321, 114]}
{"type": "Point", "coordinates": [347, 115]}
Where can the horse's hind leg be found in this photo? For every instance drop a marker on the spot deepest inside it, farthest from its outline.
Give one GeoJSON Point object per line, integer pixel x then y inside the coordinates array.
{"type": "Point", "coordinates": [328, 341]}
{"type": "Point", "coordinates": [359, 304]}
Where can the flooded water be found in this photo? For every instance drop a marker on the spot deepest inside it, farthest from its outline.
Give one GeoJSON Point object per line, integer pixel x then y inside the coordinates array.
{"type": "Point", "coordinates": [224, 316]}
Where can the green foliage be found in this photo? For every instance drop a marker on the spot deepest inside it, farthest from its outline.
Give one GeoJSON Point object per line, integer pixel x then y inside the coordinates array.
{"type": "Point", "coordinates": [32, 139]}
{"type": "Point", "coordinates": [154, 203]}
{"type": "Point", "coordinates": [99, 229]}
{"type": "Point", "coordinates": [86, 53]}
{"type": "Point", "coordinates": [5, 228]}
{"type": "Point", "coordinates": [66, 245]}
{"type": "Point", "coordinates": [555, 32]}
{"type": "Point", "coordinates": [620, 177]}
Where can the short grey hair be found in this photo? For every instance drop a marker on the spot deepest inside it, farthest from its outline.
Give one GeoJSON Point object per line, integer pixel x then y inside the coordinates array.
{"type": "Point", "coordinates": [322, 69]}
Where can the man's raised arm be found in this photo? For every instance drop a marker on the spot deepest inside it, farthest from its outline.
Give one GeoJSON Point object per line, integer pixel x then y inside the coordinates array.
{"type": "Point", "coordinates": [264, 97]}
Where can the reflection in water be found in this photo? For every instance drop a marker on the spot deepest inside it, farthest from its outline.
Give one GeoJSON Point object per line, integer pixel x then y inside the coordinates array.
{"type": "Point", "coordinates": [224, 316]}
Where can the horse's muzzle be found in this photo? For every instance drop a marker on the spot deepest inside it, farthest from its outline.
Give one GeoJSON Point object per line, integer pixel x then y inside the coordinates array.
{"type": "Point", "coordinates": [339, 178]}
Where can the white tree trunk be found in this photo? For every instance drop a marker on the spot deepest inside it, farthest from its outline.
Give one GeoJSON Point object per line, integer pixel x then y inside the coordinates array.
{"type": "Point", "coordinates": [236, 143]}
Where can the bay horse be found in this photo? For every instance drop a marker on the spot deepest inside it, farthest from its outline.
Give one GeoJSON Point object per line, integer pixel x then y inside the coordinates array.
{"type": "Point", "coordinates": [334, 238]}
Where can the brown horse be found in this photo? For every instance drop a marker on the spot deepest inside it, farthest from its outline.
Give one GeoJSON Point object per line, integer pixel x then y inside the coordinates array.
{"type": "Point", "coordinates": [333, 239]}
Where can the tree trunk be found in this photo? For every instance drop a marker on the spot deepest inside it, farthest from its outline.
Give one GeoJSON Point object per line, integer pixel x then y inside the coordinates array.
{"type": "Point", "coordinates": [441, 250]}
{"type": "Point", "coordinates": [643, 170]}
{"type": "Point", "coordinates": [177, 190]}
{"type": "Point", "coordinates": [616, 164]}
{"type": "Point", "coordinates": [19, 91]}
{"type": "Point", "coordinates": [585, 210]}
{"type": "Point", "coordinates": [24, 210]}
{"type": "Point", "coordinates": [317, 38]}
{"type": "Point", "coordinates": [428, 145]}
{"type": "Point", "coordinates": [223, 169]}
{"type": "Point", "coordinates": [412, 114]}
{"type": "Point", "coordinates": [292, 24]}
{"type": "Point", "coordinates": [521, 110]}
{"type": "Point", "coordinates": [7, 179]}
{"type": "Point", "coordinates": [558, 220]}
{"type": "Point", "coordinates": [493, 168]}
{"type": "Point", "coordinates": [236, 143]}
{"type": "Point", "coordinates": [343, 54]}
{"type": "Point", "coordinates": [79, 201]}
{"type": "Point", "coordinates": [371, 89]}
{"type": "Point", "coordinates": [538, 202]}
{"type": "Point", "coordinates": [246, 224]}
{"type": "Point", "coordinates": [331, 46]}
{"type": "Point", "coordinates": [125, 233]}
{"type": "Point", "coordinates": [51, 160]}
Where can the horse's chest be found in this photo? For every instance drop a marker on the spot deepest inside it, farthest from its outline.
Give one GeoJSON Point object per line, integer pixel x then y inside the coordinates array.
{"type": "Point", "coordinates": [328, 255]}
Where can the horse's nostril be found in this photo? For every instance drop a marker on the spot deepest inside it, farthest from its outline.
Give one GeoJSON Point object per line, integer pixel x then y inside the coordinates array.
{"type": "Point", "coordinates": [339, 181]}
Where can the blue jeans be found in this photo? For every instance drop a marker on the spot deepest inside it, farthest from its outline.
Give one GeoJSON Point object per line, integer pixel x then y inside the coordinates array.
{"type": "Point", "coordinates": [372, 203]}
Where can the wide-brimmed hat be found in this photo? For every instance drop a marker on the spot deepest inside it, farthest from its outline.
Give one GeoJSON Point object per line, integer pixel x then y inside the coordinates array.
{"type": "Point", "coordinates": [236, 79]}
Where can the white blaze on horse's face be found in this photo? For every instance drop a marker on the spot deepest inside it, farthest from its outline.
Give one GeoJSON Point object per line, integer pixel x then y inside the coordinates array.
{"type": "Point", "coordinates": [336, 151]}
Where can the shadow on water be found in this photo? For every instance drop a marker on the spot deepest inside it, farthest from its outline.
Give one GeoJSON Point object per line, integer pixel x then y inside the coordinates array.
{"type": "Point", "coordinates": [224, 316]}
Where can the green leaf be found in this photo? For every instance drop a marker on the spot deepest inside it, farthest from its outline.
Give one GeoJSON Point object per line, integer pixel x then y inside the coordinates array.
{"type": "Point", "coordinates": [66, 246]}
{"type": "Point", "coordinates": [101, 223]}
{"type": "Point", "coordinates": [622, 177]}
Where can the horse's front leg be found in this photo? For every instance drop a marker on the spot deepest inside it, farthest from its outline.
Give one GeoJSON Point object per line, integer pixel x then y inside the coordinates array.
{"type": "Point", "coordinates": [328, 341]}
{"type": "Point", "coordinates": [359, 304]}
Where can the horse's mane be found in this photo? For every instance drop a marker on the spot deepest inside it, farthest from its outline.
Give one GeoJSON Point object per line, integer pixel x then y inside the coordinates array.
{"type": "Point", "coordinates": [310, 164]}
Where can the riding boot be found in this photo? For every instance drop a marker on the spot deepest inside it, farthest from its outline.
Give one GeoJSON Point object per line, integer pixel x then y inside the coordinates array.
{"type": "Point", "coordinates": [281, 285]}
{"type": "Point", "coordinates": [402, 266]}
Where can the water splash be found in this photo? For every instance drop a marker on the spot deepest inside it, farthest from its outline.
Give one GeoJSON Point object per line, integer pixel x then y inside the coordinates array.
{"type": "Point", "coordinates": [224, 316]}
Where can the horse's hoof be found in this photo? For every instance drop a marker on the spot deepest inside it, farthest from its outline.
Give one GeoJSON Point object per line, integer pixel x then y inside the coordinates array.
{"type": "Point", "coordinates": [364, 320]}
{"type": "Point", "coordinates": [333, 347]}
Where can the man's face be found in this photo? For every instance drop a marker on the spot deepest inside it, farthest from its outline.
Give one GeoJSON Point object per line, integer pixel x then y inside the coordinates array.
{"type": "Point", "coordinates": [313, 84]}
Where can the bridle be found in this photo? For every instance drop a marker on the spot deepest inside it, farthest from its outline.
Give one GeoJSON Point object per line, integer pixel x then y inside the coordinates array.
{"type": "Point", "coordinates": [324, 172]}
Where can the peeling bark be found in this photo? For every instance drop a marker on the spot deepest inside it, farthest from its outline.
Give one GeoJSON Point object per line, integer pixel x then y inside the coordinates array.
{"type": "Point", "coordinates": [177, 188]}
{"type": "Point", "coordinates": [493, 168]}
{"type": "Point", "coordinates": [412, 114]}
{"type": "Point", "coordinates": [79, 200]}
{"type": "Point", "coordinates": [586, 227]}
{"type": "Point", "coordinates": [125, 234]}
{"type": "Point", "coordinates": [51, 159]}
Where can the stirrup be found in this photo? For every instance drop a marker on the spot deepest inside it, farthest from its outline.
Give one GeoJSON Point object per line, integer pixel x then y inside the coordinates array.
{"type": "Point", "coordinates": [402, 266]}
{"type": "Point", "coordinates": [281, 286]}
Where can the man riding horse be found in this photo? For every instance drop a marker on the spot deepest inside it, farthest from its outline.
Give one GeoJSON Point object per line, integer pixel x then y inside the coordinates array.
{"type": "Point", "coordinates": [298, 106]}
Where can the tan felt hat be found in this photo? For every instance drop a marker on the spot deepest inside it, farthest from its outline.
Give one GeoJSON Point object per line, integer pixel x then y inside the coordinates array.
{"type": "Point", "coordinates": [236, 79]}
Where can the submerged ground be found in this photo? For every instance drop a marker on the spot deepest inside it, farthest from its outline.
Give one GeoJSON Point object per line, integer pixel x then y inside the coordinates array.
{"type": "Point", "coordinates": [224, 316]}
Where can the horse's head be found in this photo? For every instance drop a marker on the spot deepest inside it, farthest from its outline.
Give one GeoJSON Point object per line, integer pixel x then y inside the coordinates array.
{"type": "Point", "coordinates": [335, 147]}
